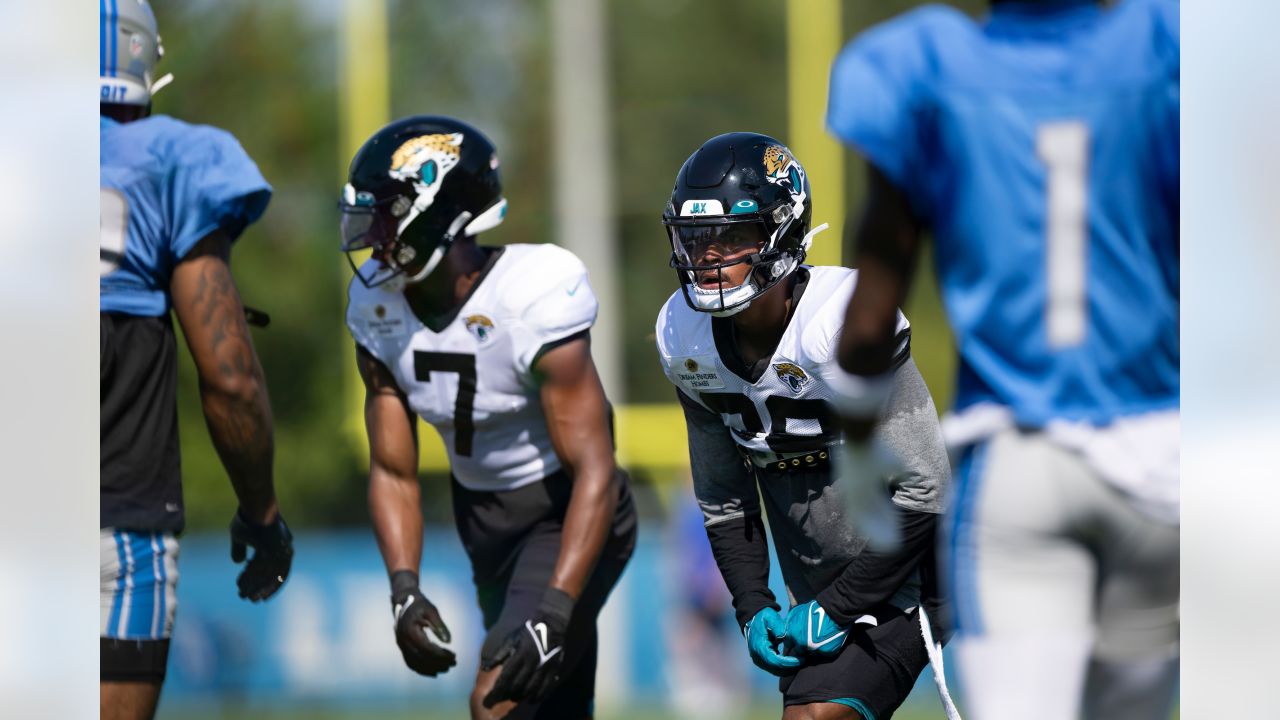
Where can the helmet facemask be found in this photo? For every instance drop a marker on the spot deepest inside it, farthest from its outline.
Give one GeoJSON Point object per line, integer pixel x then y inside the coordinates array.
{"type": "Point", "coordinates": [741, 199]}
{"type": "Point", "coordinates": [704, 248]}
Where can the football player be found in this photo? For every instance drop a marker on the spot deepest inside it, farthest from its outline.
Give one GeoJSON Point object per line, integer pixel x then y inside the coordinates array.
{"type": "Point", "coordinates": [491, 346]}
{"type": "Point", "coordinates": [1039, 146]}
{"type": "Point", "coordinates": [748, 341]}
{"type": "Point", "coordinates": [174, 198]}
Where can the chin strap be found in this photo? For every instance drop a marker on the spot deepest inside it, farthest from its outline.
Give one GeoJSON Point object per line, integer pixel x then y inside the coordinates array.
{"type": "Point", "coordinates": [807, 240]}
{"type": "Point", "coordinates": [159, 84]}
{"type": "Point", "coordinates": [446, 242]}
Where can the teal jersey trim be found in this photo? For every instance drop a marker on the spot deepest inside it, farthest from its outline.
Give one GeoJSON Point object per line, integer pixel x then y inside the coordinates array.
{"type": "Point", "coordinates": [858, 705]}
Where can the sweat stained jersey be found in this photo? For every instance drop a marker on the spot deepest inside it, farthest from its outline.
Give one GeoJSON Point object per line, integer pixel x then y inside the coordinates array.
{"type": "Point", "coordinates": [473, 380]}
{"type": "Point", "coordinates": [779, 417]}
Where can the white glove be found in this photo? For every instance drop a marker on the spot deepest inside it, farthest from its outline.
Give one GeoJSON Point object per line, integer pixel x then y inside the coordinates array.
{"type": "Point", "coordinates": [863, 471]}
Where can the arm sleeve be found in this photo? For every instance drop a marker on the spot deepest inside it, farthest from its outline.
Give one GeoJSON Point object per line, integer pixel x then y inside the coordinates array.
{"type": "Point", "coordinates": [214, 185]}
{"type": "Point", "coordinates": [872, 577]}
{"type": "Point", "coordinates": [910, 427]}
{"type": "Point", "coordinates": [726, 493]}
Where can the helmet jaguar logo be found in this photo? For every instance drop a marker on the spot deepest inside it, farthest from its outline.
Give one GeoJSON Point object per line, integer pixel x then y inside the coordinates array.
{"type": "Point", "coordinates": [780, 168]}
{"type": "Point", "coordinates": [792, 375]}
{"type": "Point", "coordinates": [480, 326]}
{"type": "Point", "coordinates": [380, 311]}
{"type": "Point", "coordinates": [424, 161]}
{"type": "Point", "coordinates": [691, 365]}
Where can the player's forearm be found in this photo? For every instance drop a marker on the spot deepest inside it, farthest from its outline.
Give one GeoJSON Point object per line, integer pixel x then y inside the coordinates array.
{"type": "Point", "coordinates": [397, 519]}
{"type": "Point", "coordinates": [238, 415]}
{"type": "Point", "coordinates": [873, 576]}
{"type": "Point", "coordinates": [886, 243]}
{"type": "Point", "coordinates": [742, 554]}
{"type": "Point", "coordinates": [586, 525]}
{"type": "Point", "coordinates": [867, 342]}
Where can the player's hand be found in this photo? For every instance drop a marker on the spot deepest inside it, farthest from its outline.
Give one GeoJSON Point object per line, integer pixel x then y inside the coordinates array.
{"type": "Point", "coordinates": [763, 633]}
{"type": "Point", "coordinates": [864, 469]}
{"type": "Point", "coordinates": [272, 557]}
{"type": "Point", "coordinates": [531, 656]}
{"type": "Point", "coordinates": [414, 615]}
{"type": "Point", "coordinates": [810, 632]}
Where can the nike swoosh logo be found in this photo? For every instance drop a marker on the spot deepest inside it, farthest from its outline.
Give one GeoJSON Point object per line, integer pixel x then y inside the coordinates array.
{"type": "Point", "coordinates": [815, 626]}
{"type": "Point", "coordinates": [574, 290]}
{"type": "Point", "coordinates": [539, 633]}
{"type": "Point", "coordinates": [401, 608]}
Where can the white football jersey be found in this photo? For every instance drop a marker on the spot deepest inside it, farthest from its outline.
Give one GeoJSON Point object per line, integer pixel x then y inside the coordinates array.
{"type": "Point", "coordinates": [472, 380]}
{"type": "Point", "coordinates": [787, 410]}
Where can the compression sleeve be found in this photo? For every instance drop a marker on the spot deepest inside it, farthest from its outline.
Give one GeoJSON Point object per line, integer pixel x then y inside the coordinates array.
{"type": "Point", "coordinates": [726, 493]}
{"type": "Point", "coordinates": [872, 577]}
{"type": "Point", "coordinates": [910, 428]}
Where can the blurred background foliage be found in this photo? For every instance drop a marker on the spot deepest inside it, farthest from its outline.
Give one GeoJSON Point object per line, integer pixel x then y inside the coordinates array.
{"type": "Point", "coordinates": [680, 72]}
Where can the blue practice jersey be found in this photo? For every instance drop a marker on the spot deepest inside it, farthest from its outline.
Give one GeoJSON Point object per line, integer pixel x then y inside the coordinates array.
{"type": "Point", "coordinates": [1041, 147]}
{"type": "Point", "coordinates": [166, 185]}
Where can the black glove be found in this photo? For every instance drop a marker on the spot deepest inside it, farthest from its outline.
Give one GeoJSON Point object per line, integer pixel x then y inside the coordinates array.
{"type": "Point", "coordinates": [414, 613]}
{"type": "Point", "coordinates": [272, 555]}
{"type": "Point", "coordinates": [531, 656]}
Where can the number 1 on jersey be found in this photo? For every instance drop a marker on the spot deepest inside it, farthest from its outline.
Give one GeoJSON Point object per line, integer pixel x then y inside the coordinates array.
{"type": "Point", "coordinates": [424, 363]}
{"type": "Point", "coordinates": [113, 219]}
{"type": "Point", "coordinates": [1064, 149]}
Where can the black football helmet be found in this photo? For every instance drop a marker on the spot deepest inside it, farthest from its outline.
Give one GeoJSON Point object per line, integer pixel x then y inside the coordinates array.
{"type": "Point", "coordinates": [413, 188]}
{"type": "Point", "coordinates": [738, 190]}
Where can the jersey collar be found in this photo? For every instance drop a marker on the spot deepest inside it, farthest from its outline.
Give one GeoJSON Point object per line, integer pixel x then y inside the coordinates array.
{"type": "Point", "coordinates": [1040, 16]}
{"type": "Point", "coordinates": [727, 346]}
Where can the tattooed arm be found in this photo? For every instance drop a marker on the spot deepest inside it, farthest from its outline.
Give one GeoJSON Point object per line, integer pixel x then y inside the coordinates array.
{"type": "Point", "coordinates": [232, 387]}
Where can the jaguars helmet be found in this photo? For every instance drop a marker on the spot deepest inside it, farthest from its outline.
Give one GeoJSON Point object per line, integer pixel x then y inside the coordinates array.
{"type": "Point", "coordinates": [739, 190]}
{"type": "Point", "coordinates": [128, 51]}
{"type": "Point", "coordinates": [415, 187]}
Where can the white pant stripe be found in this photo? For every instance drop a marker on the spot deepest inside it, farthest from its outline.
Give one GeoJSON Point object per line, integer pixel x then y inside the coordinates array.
{"type": "Point", "coordinates": [123, 627]}
{"type": "Point", "coordinates": [157, 608]}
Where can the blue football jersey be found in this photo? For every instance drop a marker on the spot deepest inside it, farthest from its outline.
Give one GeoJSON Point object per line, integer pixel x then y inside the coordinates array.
{"type": "Point", "coordinates": [1040, 144]}
{"type": "Point", "coordinates": [165, 185]}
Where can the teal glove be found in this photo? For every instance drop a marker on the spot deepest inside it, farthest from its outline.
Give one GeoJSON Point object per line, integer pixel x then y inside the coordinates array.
{"type": "Point", "coordinates": [809, 632]}
{"type": "Point", "coordinates": [763, 633]}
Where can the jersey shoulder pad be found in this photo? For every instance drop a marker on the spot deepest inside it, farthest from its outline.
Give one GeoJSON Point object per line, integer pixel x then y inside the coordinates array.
{"type": "Point", "coordinates": [377, 315]}
{"type": "Point", "coordinates": [533, 270]}
{"type": "Point", "coordinates": [822, 310]}
{"type": "Point", "coordinates": [686, 347]}
{"type": "Point", "coordinates": [212, 181]}
{"type": "Point", "coordinates": [681, 331]}
{"type": "Point", "coordinates": [882, 80]}
{"type": "Point", "coordinates": [904, 46]}
{"type": "Point", "coordinates": [548, 290]}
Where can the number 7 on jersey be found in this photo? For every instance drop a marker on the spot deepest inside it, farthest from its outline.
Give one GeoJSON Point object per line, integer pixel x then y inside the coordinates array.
{"type": "Point", "coordinates": [464, 364]}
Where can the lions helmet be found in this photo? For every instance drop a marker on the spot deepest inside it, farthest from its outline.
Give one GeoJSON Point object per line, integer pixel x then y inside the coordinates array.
{"type": "Point", "coordinates": [129, 48]}
{"type": "Point", "coordinates": [740, 190]}
{"type": "Point", "coordinates": [414, 187]}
